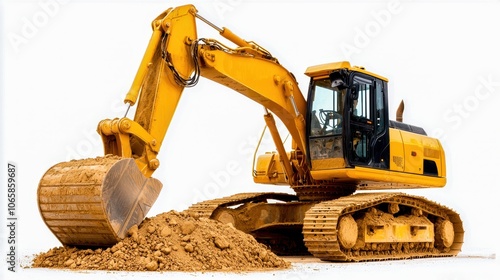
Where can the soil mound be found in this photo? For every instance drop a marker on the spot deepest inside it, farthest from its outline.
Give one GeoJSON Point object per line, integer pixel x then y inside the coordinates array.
{"type": "Point", "coordinates": [171, 241]}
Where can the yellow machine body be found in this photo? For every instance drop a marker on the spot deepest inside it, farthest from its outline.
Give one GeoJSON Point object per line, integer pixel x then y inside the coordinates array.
{"type": "Point", "coordinates": [416, 160]}
{"type": "Point", "coordinates": [408, 153]}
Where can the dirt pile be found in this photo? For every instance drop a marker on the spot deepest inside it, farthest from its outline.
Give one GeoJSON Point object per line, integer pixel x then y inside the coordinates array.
{"type": "Point", "coordinates": [171, 241]}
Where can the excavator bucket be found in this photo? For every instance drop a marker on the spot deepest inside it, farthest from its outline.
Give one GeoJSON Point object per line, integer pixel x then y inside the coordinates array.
{"type": "Point", "coordinates": [93, 202]}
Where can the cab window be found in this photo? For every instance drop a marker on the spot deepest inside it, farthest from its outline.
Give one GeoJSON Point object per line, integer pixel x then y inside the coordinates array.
{"type": "Point", "coordinates": [361, 105]}
{"type": "Point", "coordinates": [327, 108]}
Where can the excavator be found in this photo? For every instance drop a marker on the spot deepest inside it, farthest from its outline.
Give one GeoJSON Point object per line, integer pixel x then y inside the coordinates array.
{"type": "Point", "coordinates": [346, 160]}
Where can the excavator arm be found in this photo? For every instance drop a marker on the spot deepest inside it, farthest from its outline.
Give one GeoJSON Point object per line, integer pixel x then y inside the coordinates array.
{"type": "Point", "coordinates": [174, 59]}
{"type": "Point", "coordinates": [93, 202]}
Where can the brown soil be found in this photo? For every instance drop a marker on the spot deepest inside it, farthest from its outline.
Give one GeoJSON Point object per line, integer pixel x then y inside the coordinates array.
{"type": "Point", "coordinates": [171, 241]}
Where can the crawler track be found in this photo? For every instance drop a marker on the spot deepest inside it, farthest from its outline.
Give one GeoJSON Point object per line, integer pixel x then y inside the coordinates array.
{"type": "Point", "coordinates": [320, 225]}
{"type": "Point", "coordinates": [320, 229]}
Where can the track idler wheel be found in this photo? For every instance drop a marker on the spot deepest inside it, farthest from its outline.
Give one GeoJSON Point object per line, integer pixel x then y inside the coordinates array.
{"type": "Point", "coordinates": [347, 231]}
{"type": "Point", "coordinates": [444, 234]}
{"type": "Point", "coordinates": [93, 202]}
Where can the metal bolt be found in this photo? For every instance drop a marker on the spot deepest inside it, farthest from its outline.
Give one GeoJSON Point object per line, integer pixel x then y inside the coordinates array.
{"type": "Point", "coordinates": [154, 164]}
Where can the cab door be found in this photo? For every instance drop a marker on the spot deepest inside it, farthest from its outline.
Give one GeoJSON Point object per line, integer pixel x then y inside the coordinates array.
{"type": "Point", "coordinates": [366, 131]}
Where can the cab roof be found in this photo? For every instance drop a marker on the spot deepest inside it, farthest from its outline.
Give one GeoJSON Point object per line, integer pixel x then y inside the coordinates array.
{"type": "Point", "coordinates": [323, 70]}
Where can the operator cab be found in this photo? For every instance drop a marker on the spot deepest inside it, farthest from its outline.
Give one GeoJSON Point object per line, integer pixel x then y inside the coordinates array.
{"type": "Point", "coordinates": [348, 121]}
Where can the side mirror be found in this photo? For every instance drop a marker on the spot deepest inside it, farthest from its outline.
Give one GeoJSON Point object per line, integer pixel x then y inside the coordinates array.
{"type": "Point", "coordinates": [337, 80]}
{"type": "Point", "coordinates": [354, 91]}
{"type": "Point", "coordinates": [338, 84]}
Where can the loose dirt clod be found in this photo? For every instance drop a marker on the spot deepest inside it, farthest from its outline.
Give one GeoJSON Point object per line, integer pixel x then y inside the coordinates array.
{"type": "Point", "coordinates": [171, 241]}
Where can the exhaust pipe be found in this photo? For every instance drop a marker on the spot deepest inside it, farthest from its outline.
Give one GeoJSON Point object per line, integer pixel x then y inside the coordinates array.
{"type": "Point", "coordinates": [399, 112]}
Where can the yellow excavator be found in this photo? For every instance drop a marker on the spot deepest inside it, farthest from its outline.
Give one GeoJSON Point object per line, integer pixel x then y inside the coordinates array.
{"type": "Point", "coordinates": [344, 151]}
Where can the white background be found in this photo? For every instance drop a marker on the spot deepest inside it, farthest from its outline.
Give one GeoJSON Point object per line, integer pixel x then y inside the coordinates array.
{"type": "Point", "coordinates": [68, 64]}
